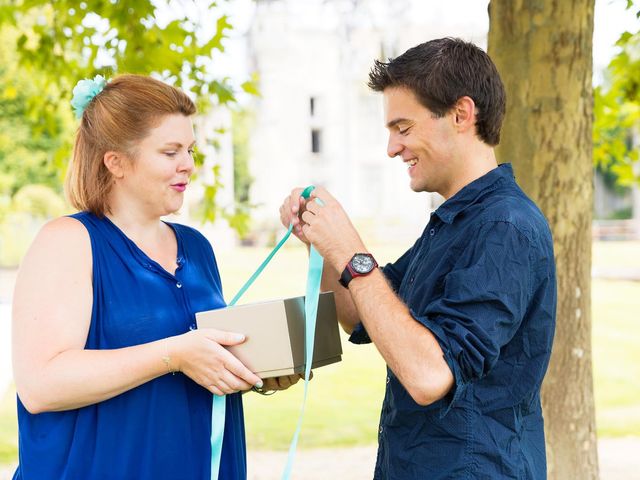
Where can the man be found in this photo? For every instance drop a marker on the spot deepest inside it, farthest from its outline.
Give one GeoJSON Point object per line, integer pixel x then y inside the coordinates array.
{"type": "Point", "coordinates": [465, 318]}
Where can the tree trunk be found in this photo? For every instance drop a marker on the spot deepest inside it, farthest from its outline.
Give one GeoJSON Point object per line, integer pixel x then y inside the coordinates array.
{"type": "Point", "coordinates": [542, 49]}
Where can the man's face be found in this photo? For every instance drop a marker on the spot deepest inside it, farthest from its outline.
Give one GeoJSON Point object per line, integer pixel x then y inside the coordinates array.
{"type": "Point", "coordinates": [424, 142]}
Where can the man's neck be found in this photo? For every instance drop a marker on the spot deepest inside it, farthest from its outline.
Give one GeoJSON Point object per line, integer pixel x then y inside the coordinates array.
{"type": "Point", "coordinates": [475, 163]}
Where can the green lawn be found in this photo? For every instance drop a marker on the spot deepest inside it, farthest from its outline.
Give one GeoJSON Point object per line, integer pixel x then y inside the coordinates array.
{"type": "Point", "coordinates": [8, 428]}
{"type": "Point", "coordinates": [344, 399]}
{"type": "Point", "coordinates": [616, 356]}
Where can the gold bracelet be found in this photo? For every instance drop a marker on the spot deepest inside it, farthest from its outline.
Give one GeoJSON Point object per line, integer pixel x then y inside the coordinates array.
{"type": "Point", "coordinates": [166, 358]}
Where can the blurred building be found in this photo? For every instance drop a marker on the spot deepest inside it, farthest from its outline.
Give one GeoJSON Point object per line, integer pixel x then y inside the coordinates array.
{"type": "Point", "coordinates": [316, 121]}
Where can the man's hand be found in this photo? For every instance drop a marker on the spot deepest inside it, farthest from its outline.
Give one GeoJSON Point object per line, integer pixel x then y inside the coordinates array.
{"type": "Point", "coordinates": [282, 383]}
{"type": "Point", "coordinates": [326, 225]}
{"type": "Point", "coordinates": [292, 207]}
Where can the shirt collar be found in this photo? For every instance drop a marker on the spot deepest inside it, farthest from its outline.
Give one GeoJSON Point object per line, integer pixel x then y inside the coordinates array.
{"type": "Point", "coordinates": [470, 193]}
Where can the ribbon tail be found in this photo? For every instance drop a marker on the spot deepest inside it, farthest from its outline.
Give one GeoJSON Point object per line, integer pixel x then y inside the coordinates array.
{"type": "Point", "coordinates": [310, 312]}
{"type": "Point", "coordinates": [218, 414]}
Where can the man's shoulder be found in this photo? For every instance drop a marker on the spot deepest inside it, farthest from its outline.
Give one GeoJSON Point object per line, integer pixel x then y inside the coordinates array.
{"type": "Point", "coordinates": [512, 206]}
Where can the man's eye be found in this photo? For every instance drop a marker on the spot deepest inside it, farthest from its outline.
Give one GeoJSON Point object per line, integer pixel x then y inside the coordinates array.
{"type": "Point", "coordinates": [405, 131]}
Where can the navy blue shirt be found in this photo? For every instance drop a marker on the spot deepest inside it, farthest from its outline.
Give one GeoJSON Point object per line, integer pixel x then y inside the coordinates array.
{"type": "Point", "coordinates": [481, 278]}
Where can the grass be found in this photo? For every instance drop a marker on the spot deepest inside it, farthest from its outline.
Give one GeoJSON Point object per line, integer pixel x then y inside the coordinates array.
{"type": "Point", "coordinates": [342, 408]}
{"type": "Point", "coordinates": [344, 399]}
{"type": "Point", "coordinates": [616, 357]}
{"type": "Point", "coordinates": [8, 428]}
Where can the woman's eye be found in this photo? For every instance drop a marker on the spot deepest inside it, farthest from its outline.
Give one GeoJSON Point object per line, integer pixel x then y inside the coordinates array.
{"type": "Point", "coordinates": [191, 152]}
{"type": "Point", "coordinates": [170, 154]}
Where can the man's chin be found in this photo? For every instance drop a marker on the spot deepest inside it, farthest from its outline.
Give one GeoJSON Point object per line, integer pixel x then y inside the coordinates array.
{"type": "Point", "coordinates": [418, 188]}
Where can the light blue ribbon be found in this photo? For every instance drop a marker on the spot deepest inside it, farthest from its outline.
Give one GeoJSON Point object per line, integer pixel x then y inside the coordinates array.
{"type": "Point", "coordinates": [310, 312]}
{"type": "Point", "coordinates": [218, 410]}
{"type": "Point", "coordinates": [218, 415]}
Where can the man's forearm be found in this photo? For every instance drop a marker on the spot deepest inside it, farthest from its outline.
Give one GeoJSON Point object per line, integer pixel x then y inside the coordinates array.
{"type": "Point", "coordinates": [409, 349]}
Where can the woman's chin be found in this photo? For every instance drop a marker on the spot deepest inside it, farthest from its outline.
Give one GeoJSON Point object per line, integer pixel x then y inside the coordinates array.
{"type": "Point", "coordinates": [173, 209]}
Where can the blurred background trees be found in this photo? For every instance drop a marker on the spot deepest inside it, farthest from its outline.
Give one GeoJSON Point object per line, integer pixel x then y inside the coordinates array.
{"type": "Point", "coordinates": [45, 48]}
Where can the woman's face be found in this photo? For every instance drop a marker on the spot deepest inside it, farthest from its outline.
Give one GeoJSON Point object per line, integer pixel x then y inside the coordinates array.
{"type": "Point", "coordinates": [158, 176]}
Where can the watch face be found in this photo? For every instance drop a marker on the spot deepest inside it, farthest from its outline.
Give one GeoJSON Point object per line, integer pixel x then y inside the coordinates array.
{"type": "Point", "coordinates": [362, 263]}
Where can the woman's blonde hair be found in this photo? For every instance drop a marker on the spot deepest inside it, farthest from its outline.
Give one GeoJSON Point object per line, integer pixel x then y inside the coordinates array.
{"type": "Point", "coordinates": [117, 119]}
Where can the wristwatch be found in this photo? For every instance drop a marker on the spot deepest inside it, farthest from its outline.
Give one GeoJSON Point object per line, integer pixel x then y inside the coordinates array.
{"type": "Point", "coordinates": [361, 264]}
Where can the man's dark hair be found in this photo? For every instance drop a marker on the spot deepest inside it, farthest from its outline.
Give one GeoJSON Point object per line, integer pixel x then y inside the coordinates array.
{"type": "Point", "coordinates": [439, 72]}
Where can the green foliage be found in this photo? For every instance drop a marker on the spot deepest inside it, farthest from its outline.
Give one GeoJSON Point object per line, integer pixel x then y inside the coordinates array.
{"type": "Point", "coordinates": [31, 168]}
{"type": "Point", "coordinates": [17, 231]}
{"type": "Point", "coordinates": [625, 213]}
{"type": "Point", "coordinates": [28, 147]}
{"type": "Point", "coordinates": [238, 217]}
{"type": "Point", "coordinates": [8, 428]}
{"type": "Point", "coordinates": [76, 39]}
{"type": "Point", "coordinates": [22, 216]}
{"type": "Point", "coordinates": [242, 122]}
{"type": "Point", "coordinates": [39, 201]}
{"type": "Point", "coordinates": [614, 121]}
{"type": "Point", "coordinates": [617, 112]}
{"type": "Point", "coordinates": [55, 44]}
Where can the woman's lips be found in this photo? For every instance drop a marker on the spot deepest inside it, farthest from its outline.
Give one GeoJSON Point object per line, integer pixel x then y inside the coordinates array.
{"type": "Point", "coordinates": [179, 187]}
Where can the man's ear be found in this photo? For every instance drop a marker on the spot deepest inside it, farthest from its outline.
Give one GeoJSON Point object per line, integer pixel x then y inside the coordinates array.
{"type": "Point", "coordinates": [114, 163]}
{"type": "Point", "coordinates": [464, 113]}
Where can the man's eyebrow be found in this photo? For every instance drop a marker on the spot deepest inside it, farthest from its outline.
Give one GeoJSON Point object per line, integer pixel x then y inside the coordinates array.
{"type": "Point", "coordinates": [396, 121]}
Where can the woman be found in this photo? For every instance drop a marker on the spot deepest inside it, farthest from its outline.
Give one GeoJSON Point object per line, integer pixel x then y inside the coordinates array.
{"type": "Point", "coordinates": [104, 307]}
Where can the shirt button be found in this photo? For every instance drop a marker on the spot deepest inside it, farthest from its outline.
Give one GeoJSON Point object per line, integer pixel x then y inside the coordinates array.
{"type": "Point", "coordinates": [192, 326]}
{"type": "Point", "coordinates": [432, 232]}
{"type": "Point", "coordinates": [380, 429]}
{"type": "Point", "coordinates": [179, 285]}
{"type": "Point", "coordinates": [412, 279]}
{"type": "Point", "coordinates": [387, 379]}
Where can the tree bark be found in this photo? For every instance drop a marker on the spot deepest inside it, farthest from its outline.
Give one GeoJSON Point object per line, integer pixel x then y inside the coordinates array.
{"type": "Point", "coordinates": [542, 49]}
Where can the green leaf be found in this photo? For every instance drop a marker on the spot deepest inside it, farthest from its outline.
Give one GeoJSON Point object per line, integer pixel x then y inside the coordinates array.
{"type": "Point", "coordinates": [46, 47]}
{"type": "Point", "coordinates": [251, 86]}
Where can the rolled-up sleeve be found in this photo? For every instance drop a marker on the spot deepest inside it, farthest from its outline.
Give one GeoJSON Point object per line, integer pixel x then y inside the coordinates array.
{"type": "Point", "coordinates": [483, 302]}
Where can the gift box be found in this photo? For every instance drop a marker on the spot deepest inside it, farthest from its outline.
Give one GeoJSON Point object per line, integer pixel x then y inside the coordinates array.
{"type": "Point", "coordinates": [275, 332]}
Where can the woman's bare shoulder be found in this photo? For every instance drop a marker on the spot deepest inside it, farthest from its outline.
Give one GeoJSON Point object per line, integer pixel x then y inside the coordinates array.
{"type": "Point", "coordinates": [63, 241]}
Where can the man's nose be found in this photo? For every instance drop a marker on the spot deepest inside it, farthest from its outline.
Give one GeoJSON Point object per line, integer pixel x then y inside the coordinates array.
{"type": "Point", "coordinates": [393, 147]}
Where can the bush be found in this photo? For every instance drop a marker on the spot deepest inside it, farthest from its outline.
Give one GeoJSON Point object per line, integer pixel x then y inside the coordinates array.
{"type": "Point", "coordinates": [21, 219]}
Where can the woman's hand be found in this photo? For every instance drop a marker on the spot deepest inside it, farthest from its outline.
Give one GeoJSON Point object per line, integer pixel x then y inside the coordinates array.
{"type": "Point", "coordinates": [200, 354]}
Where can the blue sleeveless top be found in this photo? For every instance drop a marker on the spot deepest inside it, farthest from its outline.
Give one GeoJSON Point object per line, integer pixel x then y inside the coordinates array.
{"type": "Point", "coordinates": [161, 429]}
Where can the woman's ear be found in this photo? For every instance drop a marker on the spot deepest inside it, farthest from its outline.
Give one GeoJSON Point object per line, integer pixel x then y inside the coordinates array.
{"type": "Point", "coordinates": [464, 113]}
{"type": "Point", "coordinates": [114, 163]}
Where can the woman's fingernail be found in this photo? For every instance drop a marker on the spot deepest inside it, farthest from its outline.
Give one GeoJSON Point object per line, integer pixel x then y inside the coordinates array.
{"type": "Point", "coordinates": [240, 337]}
{"type": "Point", "coordinates": [260, 384]}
